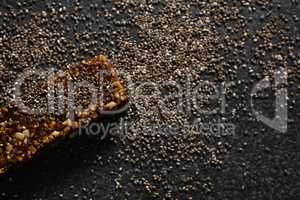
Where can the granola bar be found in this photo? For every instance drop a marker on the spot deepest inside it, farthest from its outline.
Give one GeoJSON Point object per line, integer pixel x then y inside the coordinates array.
{"type": "Point", "coordinates": [24, 134]}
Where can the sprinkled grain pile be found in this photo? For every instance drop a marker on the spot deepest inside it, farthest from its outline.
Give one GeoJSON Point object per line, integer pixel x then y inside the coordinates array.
{"type": "Point", "coordinates": [173, 55]}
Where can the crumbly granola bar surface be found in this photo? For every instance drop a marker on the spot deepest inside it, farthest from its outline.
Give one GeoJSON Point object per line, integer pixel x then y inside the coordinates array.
{"type": "Point", "coordinates": [87, 89]}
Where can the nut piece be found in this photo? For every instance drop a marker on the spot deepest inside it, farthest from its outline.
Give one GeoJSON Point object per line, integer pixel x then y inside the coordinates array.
{"type": "Point", "coordinates": [68, 122]}
{"type": "Point", "coordinates": [19, 136]}
{"type": "Point", "coordinates": [26, 133]}
{"type": "Point", "coordinates": [92, 107]}
{"type": "Point", "coordinates": [55, 133]}
{"type": "Point", "coordinates": [111, 105]}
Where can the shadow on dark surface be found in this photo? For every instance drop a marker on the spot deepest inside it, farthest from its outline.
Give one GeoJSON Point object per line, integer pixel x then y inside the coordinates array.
{"type": "Point", "coordinates": [67, 159]}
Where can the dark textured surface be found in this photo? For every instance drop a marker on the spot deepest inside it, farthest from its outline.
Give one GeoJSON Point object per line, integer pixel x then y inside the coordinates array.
{"type": "Point", "coordinates": [259, 163]}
